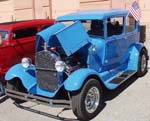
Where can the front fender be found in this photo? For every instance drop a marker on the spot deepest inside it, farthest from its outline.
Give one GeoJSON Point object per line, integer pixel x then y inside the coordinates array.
{"type": "Point", "coordinates": [135, 50]}
{"type": "Point", "coordinates": [76, 79]}
{"type": "Point", "coordinates": [27, 76]}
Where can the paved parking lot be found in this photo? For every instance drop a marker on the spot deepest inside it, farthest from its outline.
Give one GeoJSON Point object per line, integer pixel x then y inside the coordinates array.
{"type": "Point", "coordinates": [130, 102]}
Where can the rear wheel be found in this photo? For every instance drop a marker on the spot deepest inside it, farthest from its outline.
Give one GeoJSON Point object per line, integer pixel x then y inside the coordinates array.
{"type": "Point", "coordinates": [86, 103]}
{"type": "Point", "coordinates": [142, 63]}
{"type": "Point", "coordinates": [16, 85]}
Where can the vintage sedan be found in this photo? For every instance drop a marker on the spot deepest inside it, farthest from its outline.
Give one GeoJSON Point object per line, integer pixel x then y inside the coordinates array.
{"type": "Point", "coordinates": [76, 57]}
{"type": "Point", "coordinates": [17, 40]}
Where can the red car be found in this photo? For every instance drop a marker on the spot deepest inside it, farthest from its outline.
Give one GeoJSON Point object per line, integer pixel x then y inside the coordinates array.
{"type": "Point", "coordinates": [17, 40]}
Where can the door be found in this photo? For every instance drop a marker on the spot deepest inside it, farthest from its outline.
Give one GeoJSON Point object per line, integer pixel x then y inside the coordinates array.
{"type": "Point", "coordinates": [116, 44]}
{"type": "Point", "coordinates": [23, 43]}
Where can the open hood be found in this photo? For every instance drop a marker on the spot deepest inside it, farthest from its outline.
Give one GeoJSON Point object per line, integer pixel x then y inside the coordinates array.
{"type": "Point", "coordinates": [71, 38]}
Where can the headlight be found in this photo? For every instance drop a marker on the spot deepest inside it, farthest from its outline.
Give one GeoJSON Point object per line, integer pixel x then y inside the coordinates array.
{"type": "Point", "coordinates": [26, 62]}
{"type": "Point", "coordinates": [60, 66]}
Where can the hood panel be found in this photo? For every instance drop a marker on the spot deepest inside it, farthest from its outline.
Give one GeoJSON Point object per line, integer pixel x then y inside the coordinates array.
{"type": "Point", "coordinates": [72, 38]}
{"type": "Point", "coordinates": [47, 34]}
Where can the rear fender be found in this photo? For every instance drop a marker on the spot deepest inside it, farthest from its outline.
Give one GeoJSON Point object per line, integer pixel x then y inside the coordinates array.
{"type": "Point", "coordinates": [134, 51]}
{"type": "Point", "coordinates": [76, 79]}
{"type": "Point", "coordinates": [27, 76]}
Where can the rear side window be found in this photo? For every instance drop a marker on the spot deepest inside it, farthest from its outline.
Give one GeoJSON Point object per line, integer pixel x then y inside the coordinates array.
{"type": "Point", "coordinates": [23, 33]}
{"type": "Point", "coordinates": [130, 24]}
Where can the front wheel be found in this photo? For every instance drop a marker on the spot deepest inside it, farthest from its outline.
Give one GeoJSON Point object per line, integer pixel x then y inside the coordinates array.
{"type": "Point", "coordinates": [86, 103]}
{"type": "Point", "coordinates": [142, 63]}
{"type": "Point", "coordinates": [16, 85]}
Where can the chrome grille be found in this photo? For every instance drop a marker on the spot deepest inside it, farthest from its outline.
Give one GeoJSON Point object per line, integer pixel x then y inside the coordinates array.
{"type": "Point", "coordinates": [45, 71]}
{"type": "Point", "coordinates": [43, 59]}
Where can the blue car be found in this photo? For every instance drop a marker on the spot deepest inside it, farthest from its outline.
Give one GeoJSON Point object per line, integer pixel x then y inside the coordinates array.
{"type": "Point", "coordinates": [76, 57]}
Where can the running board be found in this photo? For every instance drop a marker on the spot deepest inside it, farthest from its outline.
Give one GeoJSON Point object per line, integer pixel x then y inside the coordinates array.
{"type": "Point", "coordinates": [122, 77]}
{"type": "Point", "coordinates": [38, 99]}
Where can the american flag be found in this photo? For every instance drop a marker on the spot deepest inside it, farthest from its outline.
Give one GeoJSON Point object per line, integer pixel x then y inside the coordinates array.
{"type": "Point", "coordinates": [135, 11]}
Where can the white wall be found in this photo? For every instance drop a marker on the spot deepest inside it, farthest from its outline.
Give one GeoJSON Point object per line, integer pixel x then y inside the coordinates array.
{"type": "Point", "coordinates": [6, 11]}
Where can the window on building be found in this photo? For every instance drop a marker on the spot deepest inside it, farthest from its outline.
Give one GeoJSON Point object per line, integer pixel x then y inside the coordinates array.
{"type": "Point", "coordinates": [23, 33]}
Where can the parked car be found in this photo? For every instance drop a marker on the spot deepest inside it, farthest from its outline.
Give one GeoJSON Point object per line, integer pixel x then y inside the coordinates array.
{"type": "Point", "coordinates": [76, 57]}
{"type": "Point", "coordinates": [17, 40]}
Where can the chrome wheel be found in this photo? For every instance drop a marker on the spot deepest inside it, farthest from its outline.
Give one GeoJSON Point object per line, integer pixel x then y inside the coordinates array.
{"type": "Point", "coordinates": [87, 102]}
{"type": "Point", "coordinates": [143, 63]}
{"type": "Point", "coordinates": [92, 99]}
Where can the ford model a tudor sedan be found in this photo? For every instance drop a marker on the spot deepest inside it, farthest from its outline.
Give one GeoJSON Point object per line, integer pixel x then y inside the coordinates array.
{"type": "Point", "coordinates": [17, 40]}
{"type": "Point", "coordinates": [76, 57]}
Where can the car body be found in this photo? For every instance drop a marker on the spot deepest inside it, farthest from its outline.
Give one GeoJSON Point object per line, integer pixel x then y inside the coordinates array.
{"type": "Point", "coordinates": [78, 55]}
{"type": "Point", "coordinates": [16, 44]}
{"type": "Point", "coordinates": [17, 40]}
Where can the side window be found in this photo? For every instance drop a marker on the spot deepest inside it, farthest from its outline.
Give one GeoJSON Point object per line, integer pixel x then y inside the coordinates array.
{"type": "Point", "coordinates": [95, 27]}
{"type": "Point", "coordinates": [115, 26]}
{"type": "Point", "coordinates": [23, 33]}
{"type": "Point", "coordinates": [130, 24]}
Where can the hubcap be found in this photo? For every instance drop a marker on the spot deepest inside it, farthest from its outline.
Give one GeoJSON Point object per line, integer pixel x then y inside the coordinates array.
{"type": "Point", "coordinates": [92, 99]}
{"type": "Point", "coordinates": [143, 63]}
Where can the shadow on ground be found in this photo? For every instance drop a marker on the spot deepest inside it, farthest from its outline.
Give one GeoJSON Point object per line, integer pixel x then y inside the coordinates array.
{"type": "Point", "coordinates": [111, 94]}
{"type": "Point", "coordinates": [108, 95]}
{"type": "Point", "coordinates": [3, 98]}
{"type": "Point", "coordinates": [47, 114]}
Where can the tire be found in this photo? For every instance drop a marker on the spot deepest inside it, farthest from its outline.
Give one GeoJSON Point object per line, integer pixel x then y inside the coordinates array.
{"type": "Point", "coordinates": [142, 63]}
{"type": "Point", "coordinates": [16, 85]}
{"type": "Point", "coordinates": [82, 104]}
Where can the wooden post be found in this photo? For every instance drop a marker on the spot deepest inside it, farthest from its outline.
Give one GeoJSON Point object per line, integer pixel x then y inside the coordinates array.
{"type": "Point", "coordinates": [111, 4]}
{"type": "Point", "coordinates": [33, 7]}
{"type": "Point", "coordinates": [50, 9]}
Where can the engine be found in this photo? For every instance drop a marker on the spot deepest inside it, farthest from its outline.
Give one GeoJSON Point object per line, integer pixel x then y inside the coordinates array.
{"type": "Point", "coordinates": [72, 62]}
{"type": "Point", "coordinates": [53, 67]}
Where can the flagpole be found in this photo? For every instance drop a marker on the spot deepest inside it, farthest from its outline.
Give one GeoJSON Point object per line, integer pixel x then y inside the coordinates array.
{"type": "Point", "coordinates": [135, 11]}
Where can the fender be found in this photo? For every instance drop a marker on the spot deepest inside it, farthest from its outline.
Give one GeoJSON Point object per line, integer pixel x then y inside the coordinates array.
{"type": "Point", "coordinates": [27, 76]}
{"type": "Point", "coordinates": [76, 79]}
{"type": "Point", "coordinates": [134, 51]}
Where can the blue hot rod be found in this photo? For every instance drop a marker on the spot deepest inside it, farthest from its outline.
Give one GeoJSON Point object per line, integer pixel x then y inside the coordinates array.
{"type": "Point", "coordinates": [76, 57]}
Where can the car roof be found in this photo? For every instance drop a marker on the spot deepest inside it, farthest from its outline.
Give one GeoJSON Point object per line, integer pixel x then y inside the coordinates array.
{"type": "Point", "coordinates": [93, 14]}
{"type": "Point", "coordinates": [17, 24]}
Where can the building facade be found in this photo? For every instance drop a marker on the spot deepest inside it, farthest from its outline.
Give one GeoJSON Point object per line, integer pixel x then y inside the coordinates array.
{"type": "Point", "coordinates": [15, 10]}
{"type": "Point", "coordinates": [11, 10]}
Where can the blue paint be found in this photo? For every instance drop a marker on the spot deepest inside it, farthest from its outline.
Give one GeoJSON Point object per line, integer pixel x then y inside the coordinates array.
{"type": "Point", "coordinates": [72, 40]}
{"type": "Point", "coordinates": [92, 15]}
{"type": "Point", "coordinates": [74, 81]}
{"type": "Point", "coordinates": [25, 75]}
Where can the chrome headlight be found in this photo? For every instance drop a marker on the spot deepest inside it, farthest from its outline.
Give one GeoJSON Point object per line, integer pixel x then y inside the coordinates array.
{"type": "Point", "coordinates": [60, 66]}
{"type": "Point", "coordinates": [26, 62]}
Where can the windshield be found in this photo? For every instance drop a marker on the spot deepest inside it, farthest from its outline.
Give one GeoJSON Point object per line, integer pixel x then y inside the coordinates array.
{"type": "Point", "coordinates": [4, 34]}
{"type": "Point", "coordinates": [92, 27]}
